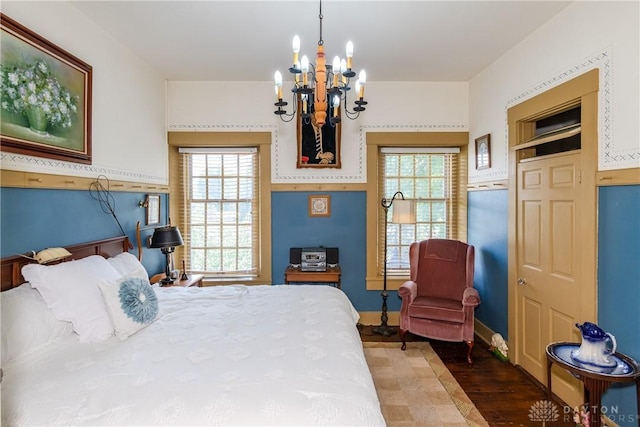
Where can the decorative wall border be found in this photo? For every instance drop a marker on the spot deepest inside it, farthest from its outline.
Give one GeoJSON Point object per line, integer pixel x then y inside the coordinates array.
{"type": "Point", "coordinates": [220, 127]}
{"type": "Point", "coordinates": [608, 156]}
{"type": "Point", "coordinates": [415, 128]}
{"type": "Point", "coordinates": [20, 162]}
{"type": "Point", "coordinates": [488, 174]}
{"type": "Point", "coordinates": [317, 176]}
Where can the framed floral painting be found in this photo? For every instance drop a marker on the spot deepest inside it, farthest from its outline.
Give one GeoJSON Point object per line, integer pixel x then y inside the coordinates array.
{"type": "Point", "coordinates": [45, 97]}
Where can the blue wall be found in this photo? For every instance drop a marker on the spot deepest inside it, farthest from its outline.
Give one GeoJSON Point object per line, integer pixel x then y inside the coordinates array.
{"type": "Point", "coordinates": [487, 232]}
{"type": "Point", "coordinates": [618, 274]}
{"type": "Point", "coordinates": [33, 219]}
{"type": "Point", "coordinates": [619, 284]}
{"type": "Point", "coordinates": [345, 229]}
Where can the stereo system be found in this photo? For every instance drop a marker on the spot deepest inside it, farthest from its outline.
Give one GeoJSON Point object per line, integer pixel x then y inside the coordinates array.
{"type": "Point", "coordinates": [313, 259]}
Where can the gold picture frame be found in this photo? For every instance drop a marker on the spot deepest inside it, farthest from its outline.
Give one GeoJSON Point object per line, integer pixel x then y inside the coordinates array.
{"type": "Point", "coordinates": [58, 124]}
{"type": "Point", "coordinates": [319, 205]}
{"type": "Point", "coordinates": [318, 147]}
{"type": "Point", "coordinates": [483, 152]}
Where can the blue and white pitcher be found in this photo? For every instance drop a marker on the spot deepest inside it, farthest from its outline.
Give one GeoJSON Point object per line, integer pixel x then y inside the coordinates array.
{"type": "Point", "coordinates": [596, 348]}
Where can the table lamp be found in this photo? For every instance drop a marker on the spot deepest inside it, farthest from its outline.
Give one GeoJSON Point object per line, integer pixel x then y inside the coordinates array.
{"type": "Point", "coordinates": [166, 238]}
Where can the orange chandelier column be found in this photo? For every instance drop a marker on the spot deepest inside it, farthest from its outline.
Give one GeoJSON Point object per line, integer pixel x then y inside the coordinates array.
{"type": "Point", "coordinates": [320, 100]}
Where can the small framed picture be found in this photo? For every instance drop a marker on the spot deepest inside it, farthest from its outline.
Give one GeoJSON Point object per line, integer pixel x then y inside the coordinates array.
{"type": "Point", "coordinates": [483, 152]}
{"type": "Point", "coordinates": [320, 205]}
{"type": "Point", "coordinates": [153, 209]}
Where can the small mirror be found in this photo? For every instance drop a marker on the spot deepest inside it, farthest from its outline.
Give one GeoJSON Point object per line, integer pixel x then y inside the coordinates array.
{"type": "Point", "coordinates": [153, 209]}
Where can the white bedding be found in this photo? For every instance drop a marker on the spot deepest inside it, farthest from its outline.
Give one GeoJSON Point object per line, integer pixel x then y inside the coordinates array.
{"type": "Point", "coordinates": [232, 355]}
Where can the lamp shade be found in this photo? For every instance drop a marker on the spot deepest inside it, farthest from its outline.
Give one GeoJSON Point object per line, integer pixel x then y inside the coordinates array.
{"type": "Point", "coordinates": [404, 212]}
{"type": "Point", "coordinates": [166, 237]}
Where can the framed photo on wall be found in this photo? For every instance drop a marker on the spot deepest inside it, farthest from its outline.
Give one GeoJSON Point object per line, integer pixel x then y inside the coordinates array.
{"type": "Point", "coordinates": [45, 97]}
{"type": "Point", "coordinates": [483, 152]}
{"type": "Point", "coordinates": [153, 209]}
{"type": "Point", "coordinates": [319, 205]}
{"type": "Point", "coordinates": [318, 146]}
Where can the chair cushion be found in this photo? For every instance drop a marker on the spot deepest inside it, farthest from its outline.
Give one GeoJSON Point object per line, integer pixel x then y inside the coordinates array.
{"type": "Point", "coordinates": [437, 309]}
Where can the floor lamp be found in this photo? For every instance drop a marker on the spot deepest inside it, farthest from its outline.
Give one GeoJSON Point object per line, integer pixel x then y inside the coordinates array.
{"type": "Point", "coordinates": [403, 213]}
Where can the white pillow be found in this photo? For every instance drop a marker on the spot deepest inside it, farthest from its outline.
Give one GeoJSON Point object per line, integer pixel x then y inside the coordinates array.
{"type": "Point", "coordinates": [131, 302]}
{"type": "Point", "coordinates": [70, 290]}
{"type": "Point", "coordinates": [27, 323]}
{"type": "Point", "coordinates": [128, 265]}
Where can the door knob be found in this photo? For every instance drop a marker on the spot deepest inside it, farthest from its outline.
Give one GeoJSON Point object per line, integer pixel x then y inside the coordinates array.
{"type": "Point", "coordinates": [521, 281]}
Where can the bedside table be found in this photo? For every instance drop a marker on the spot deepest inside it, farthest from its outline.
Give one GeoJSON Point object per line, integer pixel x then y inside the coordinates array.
{"type": "Point", "coordinates": [331, 275]}
{"type": "Point", "coordinates": [193, 280]}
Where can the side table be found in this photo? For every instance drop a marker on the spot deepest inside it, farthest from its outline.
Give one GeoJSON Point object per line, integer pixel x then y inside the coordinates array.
{"type": "Point", "coordinates": [331, 275]}
{"type": "Point", "coordinates": [193, 280]}
{"type": "Point", "coordinates": [595, 383]}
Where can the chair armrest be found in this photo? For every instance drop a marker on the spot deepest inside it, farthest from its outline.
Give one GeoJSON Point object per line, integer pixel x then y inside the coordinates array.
{"type": "Point", "coordinates": [408, 291]}
{"type": "Point", "coordinates": [470, 297]}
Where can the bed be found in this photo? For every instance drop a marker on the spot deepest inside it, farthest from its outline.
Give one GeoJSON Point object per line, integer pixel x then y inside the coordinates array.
{"type": "Point", "coordinates": [227, 355]}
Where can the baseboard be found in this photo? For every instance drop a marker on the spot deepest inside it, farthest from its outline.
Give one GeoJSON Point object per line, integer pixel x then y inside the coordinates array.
{"type": "Point", "coordinates": [483, 331]}
{"type": "Point", "coordinates": [373, 318]}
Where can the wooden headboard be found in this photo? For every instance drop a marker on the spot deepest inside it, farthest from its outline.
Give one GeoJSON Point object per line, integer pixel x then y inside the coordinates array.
{"type": "Point", "coordinates": [11, 267]}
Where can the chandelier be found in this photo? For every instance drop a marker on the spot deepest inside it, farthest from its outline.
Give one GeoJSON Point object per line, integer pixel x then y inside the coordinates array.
{"type": "Point", "coordinates": [320, 89]}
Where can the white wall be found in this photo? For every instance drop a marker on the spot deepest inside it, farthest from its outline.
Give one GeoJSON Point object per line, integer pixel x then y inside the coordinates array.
{"type": "Point", "coordinates": [129, 114]}
{"type": "Point", "coordinates": [583, 36]}
{"type": "Point", "coordinates": [246, 106]}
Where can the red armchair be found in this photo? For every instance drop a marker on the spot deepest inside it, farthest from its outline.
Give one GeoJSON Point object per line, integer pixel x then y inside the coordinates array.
{"type": "Point", "coordinates": [439, 300]}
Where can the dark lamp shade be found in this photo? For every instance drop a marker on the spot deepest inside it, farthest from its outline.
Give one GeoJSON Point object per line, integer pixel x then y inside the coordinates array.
{"type": "Point", "coordinates": [166, 237]}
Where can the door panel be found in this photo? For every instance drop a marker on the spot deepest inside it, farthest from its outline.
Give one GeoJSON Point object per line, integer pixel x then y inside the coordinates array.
{"type": "Point", "coordinates": [548, 265]}
{"type": "Point", "coordinates": [530, 247]}
{"type": "Point", "coordinates": [562, 326]}
{"type": "Point", "coordinates": [562, 249]}
{"type": "Point", "coordinates": [532, 313]}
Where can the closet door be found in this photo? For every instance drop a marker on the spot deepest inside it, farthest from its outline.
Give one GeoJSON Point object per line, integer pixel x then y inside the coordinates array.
{"type": "Point", "coordinates": [553, 156]}
{"type": "Point", "coordinates": [549, 265]}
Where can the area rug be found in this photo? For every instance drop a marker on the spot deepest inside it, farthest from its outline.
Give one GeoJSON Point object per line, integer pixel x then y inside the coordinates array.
{"type": "Point", "coordinates": [416, 389]}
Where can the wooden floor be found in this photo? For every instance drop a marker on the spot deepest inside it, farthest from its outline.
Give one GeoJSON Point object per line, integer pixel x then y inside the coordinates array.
{"type": "Point", "coordinates": [503, 393]}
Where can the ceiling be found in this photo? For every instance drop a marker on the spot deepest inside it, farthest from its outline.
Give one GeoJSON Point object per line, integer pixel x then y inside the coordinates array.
{"type": "Point", "coordinates": [249, 40]}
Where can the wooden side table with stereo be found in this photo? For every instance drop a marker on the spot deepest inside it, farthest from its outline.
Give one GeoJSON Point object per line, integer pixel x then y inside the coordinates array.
{"type": "Point", "coordinates": [296, 275]}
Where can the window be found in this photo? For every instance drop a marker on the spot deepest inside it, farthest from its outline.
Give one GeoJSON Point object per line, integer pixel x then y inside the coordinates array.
{"type": "Point", "coordinates": [428, 176]}
{"type": "Point", "coordinates": [221, 210]}
{"type": "Point", "coordinates": [416, 174]}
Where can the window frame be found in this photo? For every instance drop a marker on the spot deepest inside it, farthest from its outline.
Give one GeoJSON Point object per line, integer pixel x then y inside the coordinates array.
{"type": "Point", "coordinates": [406, 233]}
{"type": "Point", "coordinates": [206, 202]}
{"type": "Point", "coordinates": [376, 140]}
{"type": "Point", "coordinates": [262, 141]}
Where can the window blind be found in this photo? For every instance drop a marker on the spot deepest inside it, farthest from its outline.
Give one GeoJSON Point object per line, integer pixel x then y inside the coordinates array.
{"type": "Point", "coordinates": [221, 210]}
{"type": "Point", "coordinates": [429, 176]}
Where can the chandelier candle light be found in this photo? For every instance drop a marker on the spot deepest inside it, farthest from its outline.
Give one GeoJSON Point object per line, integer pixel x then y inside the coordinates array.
{"type": "Point", "coordinates": [404, 212]}
{"type": "Point", "coordinates": [322, 87]}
